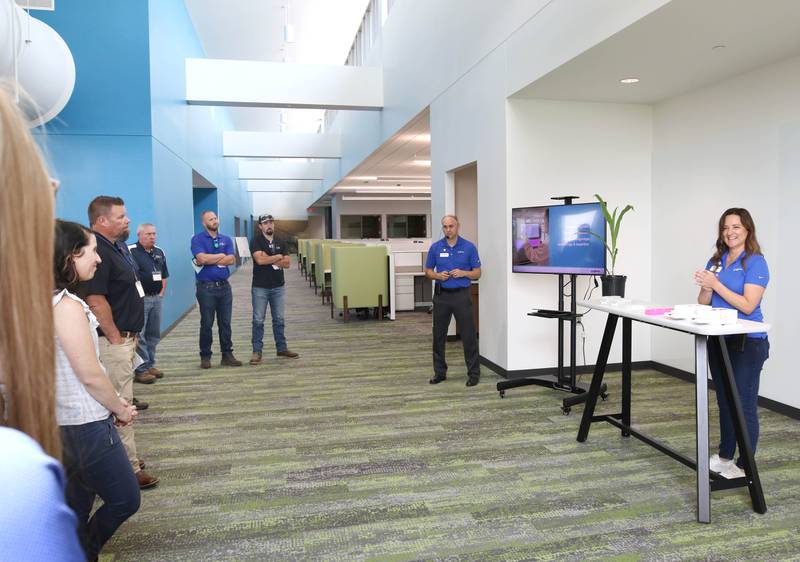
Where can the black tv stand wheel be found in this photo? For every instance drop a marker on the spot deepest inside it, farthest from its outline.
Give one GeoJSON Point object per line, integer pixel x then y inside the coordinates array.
{"type": "Point", "coordinates": [604, 396]}
{"type": "Point", "coordinates": [502, 393]}
{"type": "Point", "coordinates": [566, 410]}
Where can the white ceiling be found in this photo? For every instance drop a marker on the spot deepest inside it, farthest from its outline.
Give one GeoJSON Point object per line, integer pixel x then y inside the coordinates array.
{"type": "Point", "coordinates": [672, 51]}
{"type": "Point", "coordinates": [401, 165]}
{"type": "Point", "coordinates": [253, 30]}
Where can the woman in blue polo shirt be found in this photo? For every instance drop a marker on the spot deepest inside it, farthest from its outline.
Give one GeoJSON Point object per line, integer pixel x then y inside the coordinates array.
{"type": "Point", "coordinates": [736, 277]}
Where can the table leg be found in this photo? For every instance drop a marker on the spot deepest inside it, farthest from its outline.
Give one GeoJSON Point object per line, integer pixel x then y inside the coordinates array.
{"type": "Point", "coordinates": [597, 378]}
{"type": "Point", "coordinates": [626, 374]}
{"type": "Point", "coordinates": [701, 415]}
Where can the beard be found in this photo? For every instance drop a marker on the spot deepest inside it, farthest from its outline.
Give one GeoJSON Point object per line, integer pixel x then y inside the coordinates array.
{"type": "Point", "coordinates": [126, 232]}
{"type": "Point", "coordinates": [269, 231]}
{"type": "Point", "coordinates": [213, 228]}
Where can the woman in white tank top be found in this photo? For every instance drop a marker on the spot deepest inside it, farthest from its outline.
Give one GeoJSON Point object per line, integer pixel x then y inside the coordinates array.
{"type": "Point", "coordinates": [87, 406]}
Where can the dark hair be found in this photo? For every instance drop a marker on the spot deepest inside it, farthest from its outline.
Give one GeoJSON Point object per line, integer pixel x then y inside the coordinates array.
{"type": "Point", "coordinates": [70, 239]}
{"type": "Point", "coordinates": [101, 206]}
{"type": "Point", "coordinates": [751, 245]}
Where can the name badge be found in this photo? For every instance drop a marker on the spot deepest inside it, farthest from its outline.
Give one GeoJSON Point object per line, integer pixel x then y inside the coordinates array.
{"type": "Point", "coordinates": [140, 289]}
{"type": "Point", "coordinates": [156, 276]}
{"type": "Point", "coordinates": [444, 255]}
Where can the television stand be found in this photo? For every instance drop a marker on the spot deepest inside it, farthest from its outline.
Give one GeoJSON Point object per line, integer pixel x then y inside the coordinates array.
{"type": "Point", "coordinates": [563, 380]}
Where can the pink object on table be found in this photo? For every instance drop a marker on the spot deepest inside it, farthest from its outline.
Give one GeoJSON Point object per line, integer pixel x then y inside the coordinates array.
{"type": "Point", "coordinates": [658, 311]}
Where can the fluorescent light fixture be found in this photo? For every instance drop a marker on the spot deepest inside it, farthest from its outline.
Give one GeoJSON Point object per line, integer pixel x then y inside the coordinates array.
{"type": "Point", "coordinates": [384, 188]}
{"type": "Point", "coordinates": [630, 80]}
{"type": "Point", "coordinates": [394, 190]}
{"type": "Point", "coordinates": [391, 198]}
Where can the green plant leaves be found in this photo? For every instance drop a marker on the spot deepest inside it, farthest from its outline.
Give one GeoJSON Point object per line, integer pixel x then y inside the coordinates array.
{"type": "Point", "coordinates": [613, 220]}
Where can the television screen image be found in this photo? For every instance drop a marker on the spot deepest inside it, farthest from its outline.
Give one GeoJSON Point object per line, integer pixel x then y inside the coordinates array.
{"type": "Point", "coordinates": [559, 239]}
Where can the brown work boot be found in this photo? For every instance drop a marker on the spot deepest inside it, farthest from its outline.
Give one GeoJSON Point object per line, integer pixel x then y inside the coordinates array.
{"type": "Point", "coordinates": [205, 362]}
{"type": "Point", "coordinates": [145, 480]}
{"type": "Point", "coordinates": [144, 378]}
{"type": "Point", "coordinates": [230, 361]}
{"type": "Point", "coordinates": [140, 405]}
{"type": "Point", "coordinates": [287, 353]}
{"type": "Point", "coordinates": [256, 358]}
{"type": "Point", "coordinates": [156, 373]}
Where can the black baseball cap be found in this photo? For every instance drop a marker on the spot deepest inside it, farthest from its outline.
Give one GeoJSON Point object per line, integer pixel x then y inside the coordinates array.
{"type": "Point", "coordinates": [265, 218]}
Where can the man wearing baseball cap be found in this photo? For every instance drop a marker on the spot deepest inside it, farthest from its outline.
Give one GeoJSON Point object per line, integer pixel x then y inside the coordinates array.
{"type": "Point", "coordinates": [270, 258]}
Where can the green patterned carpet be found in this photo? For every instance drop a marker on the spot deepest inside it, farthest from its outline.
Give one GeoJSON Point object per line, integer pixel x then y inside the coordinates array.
{"type": "Point", "coordinates": [347, 453]}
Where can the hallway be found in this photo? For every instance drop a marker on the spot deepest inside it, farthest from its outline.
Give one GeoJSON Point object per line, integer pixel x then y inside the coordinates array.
{"type": "Point", "coordinates": [348, 453]}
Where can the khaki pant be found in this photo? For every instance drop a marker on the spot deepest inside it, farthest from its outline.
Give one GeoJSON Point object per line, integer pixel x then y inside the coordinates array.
{"type": "Point", "coordinates": [118, 361]}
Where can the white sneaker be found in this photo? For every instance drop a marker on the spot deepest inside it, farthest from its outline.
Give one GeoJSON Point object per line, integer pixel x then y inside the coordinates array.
{"type": "Point", "coordinates": [720, 465]}
{"type": "Point", "coordinates": [733, 472]}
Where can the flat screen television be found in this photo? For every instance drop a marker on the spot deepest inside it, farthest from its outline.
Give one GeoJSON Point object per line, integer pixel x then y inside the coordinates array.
{"type": "Point", "coordinates": [558, 239]}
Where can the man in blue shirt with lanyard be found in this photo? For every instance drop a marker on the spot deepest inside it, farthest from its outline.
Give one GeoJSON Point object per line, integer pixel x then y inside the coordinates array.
{"type": "Point", "coordinates": [151, 264]}
{"type": "Point", "coordinates": [453, 263]}
{"type": "Point", "coordinates": [213, 253]}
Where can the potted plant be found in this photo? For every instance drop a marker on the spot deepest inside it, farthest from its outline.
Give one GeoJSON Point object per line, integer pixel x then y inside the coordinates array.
{"type": "Point", "coordinates": [613, 285]}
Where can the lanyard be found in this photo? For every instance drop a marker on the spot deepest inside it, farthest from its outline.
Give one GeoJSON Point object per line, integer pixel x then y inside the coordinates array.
{"type": "Point", "coordinates": [125, 254]}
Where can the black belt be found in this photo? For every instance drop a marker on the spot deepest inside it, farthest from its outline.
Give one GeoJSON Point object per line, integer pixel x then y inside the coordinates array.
{"type": "Point", "coordinates": [122, 334]}
{"type": "Point", "coordinates": [151, 294]}
{"type": "Point", "coordinates": [456, 290]}
{"type": "Point", "coordinates": [212, 283]}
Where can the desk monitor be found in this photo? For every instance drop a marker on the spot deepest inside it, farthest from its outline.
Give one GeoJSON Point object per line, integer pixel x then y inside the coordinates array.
{"type": "Point", "coordinates": [558, 239]}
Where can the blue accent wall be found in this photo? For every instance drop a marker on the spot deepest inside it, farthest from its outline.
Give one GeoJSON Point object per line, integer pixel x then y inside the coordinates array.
{"type": "Point", "coordinates": [127, 130]}
{"type": "Point", "coordinates": [110, 45]}
{"type": "Point", "coordinates": [205, 199]}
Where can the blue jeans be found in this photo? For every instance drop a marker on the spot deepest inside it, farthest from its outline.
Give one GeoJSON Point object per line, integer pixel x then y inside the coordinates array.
{"type": "Point", "coordinates": [215, 298]}
{"type": "Point", "coordinates": [151, 332]}
{"type": "Point", "coordinates": [746, 364]}
{"type": "Point", "coordinates": [275, 298]}
{"type": "Point", "coordinates": [97, 465]}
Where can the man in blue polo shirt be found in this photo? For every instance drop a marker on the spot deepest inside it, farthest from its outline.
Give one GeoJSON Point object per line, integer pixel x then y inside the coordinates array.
{"type": "Point", "coordinates": [213, 253]}
{"type": "Point", "coordinates": [453, 263]}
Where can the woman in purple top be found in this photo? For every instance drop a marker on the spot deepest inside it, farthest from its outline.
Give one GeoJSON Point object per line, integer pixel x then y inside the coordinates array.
{"type": "Point", "coordinates": [735, 277]}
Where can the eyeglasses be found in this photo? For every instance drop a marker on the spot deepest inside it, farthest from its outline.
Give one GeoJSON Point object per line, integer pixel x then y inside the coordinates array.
{"type": "Point", "coordinates": [216, 243]}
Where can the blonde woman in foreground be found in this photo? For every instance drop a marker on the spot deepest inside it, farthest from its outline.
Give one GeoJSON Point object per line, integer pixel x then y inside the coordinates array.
{"type": "Point", "coordinates": [35, 522]}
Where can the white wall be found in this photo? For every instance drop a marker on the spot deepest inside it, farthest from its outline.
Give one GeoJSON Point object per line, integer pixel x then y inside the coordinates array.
{"type": "Point", "coordinates": [383, 208]}
{"type": "Point", "coordinates": [466, 202]}
{"type": "Point", "coordinates": [281, 204]}
{"type": "Point", "coordinates": [468, 125]}
{"type": "Point", "coordinates": [429, 46]}
{"type": "Point", "coordinates": [734, 144]}
{"type": "Point", "coordinates": [577, 148]}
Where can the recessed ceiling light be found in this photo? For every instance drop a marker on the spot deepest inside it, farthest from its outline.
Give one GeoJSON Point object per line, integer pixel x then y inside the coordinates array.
{"type": "Point", "coordinates": [715, 47]}
{"type": "Point", "coordinates": [629, 81]}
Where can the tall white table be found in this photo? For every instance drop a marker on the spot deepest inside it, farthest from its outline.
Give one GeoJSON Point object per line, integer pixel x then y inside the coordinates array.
{"type": "Point", "coordinates": [704, 335]}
